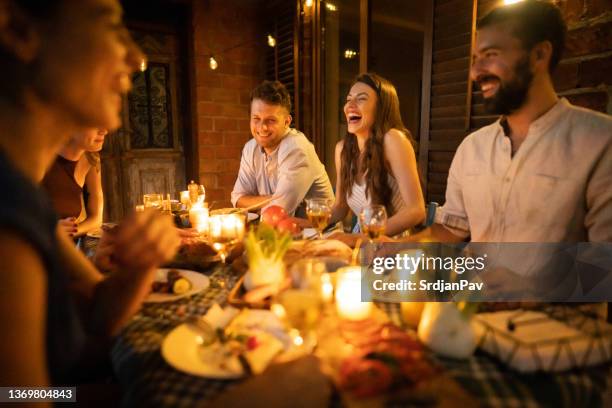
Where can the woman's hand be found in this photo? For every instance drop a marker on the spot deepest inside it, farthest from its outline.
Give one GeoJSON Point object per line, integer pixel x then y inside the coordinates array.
{"type": "Point", "coordinates": [145, 240]}
{"type": "Point", "coordinates": [68, 225]}
{"type": "Point", "coordinates": [103, 258]}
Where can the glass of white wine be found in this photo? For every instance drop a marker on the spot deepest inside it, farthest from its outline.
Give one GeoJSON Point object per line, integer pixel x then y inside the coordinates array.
{"type": "Point", "coordinates": [373, 221]}
{"type": "Point", "coordinates": [318, 212]}
{"type": "Point", "coordinates": [301, 305]}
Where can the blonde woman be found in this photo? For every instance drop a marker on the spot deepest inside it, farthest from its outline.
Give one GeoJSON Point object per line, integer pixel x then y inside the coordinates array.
{"type": "Point", "coordinates": [74, 183]}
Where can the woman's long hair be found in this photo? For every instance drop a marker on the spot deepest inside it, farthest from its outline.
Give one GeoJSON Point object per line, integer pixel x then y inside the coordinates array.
{"type": "Point", "coordinates": [387, 117]}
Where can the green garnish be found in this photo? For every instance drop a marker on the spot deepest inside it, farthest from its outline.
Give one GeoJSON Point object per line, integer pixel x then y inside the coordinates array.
{"type": "Point", "coordinates": [266, 245]}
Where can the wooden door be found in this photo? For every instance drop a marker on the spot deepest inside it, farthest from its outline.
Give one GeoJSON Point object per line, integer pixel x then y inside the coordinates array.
{"type": "Point", "coordinates": [146, 154]}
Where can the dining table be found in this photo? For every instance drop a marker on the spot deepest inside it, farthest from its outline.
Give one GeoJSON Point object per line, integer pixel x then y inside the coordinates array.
{"type": "Point", "coordinates": [149, 381]}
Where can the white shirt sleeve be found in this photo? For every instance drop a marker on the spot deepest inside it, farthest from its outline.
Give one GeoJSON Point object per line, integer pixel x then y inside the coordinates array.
{"type": "Point", "coordinates": [452, 214]}
{"type": "Point", "coordinates": [295, 177]}
{"type": "Point", "coordinates": [246, 183]}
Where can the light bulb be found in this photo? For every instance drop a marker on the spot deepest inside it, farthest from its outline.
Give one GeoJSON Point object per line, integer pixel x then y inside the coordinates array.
{"type": "Point", "coordinates": [143, 65]}
{"type": "Point", "coordinates": [308, 3]}
{"type": "Point", "coordinates": [507, 2]}
{"type": "Point", "coordinates": [271, 41]}
{"type": "Point", "coordinates": [212, 63]}
{"type": "Point", "coordinates": [331, 7]}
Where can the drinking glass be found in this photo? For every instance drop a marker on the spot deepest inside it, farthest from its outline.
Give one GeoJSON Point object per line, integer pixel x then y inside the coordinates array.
{"type": "Point", "coordinates": [373, 221]}
{"type": "Point", "coordinates": [154, 201]}
{"type": "Point", "coordinates": [318, 212]}
{"type": "Point", "coordinates": [301, 305]}
{"type": "Point", "coordinates": [225, 230]}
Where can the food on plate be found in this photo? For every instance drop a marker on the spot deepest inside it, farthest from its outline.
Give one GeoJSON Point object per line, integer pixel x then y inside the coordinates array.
{"type": "Point", "coordinates": [384, 359]}
{"type": "Point", "coordinates": [319, 248]}
{"type": "Point", "coordinates": [249, 342]}
{"type": "Point", "coordinates": [365, 377]}
{"type": "Point", "coordinates": [175, 283]}
{"type": "Point", "coordinates": [273, 215]}
{"type": "Point", "coordinates": [447, 330]}
{"type": "Point", "coordinates": [194, 252]}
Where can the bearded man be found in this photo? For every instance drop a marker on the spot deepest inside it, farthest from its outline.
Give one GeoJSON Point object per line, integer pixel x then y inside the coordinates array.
{"type": "Point", "coordinates": [543, 171]}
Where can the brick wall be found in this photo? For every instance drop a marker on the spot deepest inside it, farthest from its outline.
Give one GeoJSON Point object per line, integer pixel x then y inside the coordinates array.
{"type": "Point", "coordinates": [584, 75]}
{"type": "Point", "coordinates": [223, 95]}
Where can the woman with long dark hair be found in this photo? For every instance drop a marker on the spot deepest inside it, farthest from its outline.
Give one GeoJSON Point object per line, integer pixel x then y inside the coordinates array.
{"type": "Point", "coordinates": [375, 161]}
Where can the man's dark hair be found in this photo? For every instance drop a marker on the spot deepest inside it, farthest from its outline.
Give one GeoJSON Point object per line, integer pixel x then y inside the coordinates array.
{"type": "Point", "coordinates": [532, 21]}
{"type": "Point", "coordinates": [273, 93]}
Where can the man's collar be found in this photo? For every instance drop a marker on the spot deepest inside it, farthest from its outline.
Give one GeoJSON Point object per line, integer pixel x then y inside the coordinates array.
{"type": "Point", "coordinates": [541, 123]}
{"type": "Point", "coordinates": [262, 150]}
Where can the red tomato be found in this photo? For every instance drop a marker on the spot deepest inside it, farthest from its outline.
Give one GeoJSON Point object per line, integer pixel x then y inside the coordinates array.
{"type": "Point", "coordinates": [252, 343]}
{"type": "Point", "coordinates": [365, 377]}
{"type": "Point", "coordinates": [289, 225]}
{"type": "Point", "coordinates": [273, 215]}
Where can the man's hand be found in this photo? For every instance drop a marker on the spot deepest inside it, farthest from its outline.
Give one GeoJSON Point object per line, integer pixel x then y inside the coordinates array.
{"type": "Point", "coordinates": [68, 225]}
{"type": "Point", "coordinates": [144, 240]}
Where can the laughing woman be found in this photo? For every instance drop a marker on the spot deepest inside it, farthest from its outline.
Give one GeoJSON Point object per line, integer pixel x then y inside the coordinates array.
{"type": "Point", "coordinates": [65, 66]}
{"type": "Point", "coordinates": [375, 161]}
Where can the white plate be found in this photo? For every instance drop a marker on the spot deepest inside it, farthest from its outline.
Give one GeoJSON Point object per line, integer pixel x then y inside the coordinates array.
{"type": "Point", "coordinates": [252, 216]}
{"type": "Point", "coordinates": [181, 349]}
{"type": "Point", "coordinates": [199, 282]}
{"type": "Point", "coordinates": [97, 233]}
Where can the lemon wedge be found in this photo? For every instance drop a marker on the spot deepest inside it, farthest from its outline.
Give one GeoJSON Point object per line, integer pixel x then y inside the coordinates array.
{"type": "Point", "coordinates": [181, 286]}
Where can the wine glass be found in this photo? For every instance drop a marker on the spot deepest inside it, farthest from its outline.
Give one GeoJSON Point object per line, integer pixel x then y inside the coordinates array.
{"type": "Point", "coordinates": [225, 230]}
{"type": "Point", "coordinates": [318, 212]}
{"type": "Point", "coordinates": [373, 221]}
{"type": "Point", "coordinates": [154, 201]}
{"type": "Point", "coordinates": [301, 305]}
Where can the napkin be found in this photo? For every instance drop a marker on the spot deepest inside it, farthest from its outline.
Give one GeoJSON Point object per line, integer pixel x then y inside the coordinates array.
{"type": "Point", "coordinates": [219, 317]}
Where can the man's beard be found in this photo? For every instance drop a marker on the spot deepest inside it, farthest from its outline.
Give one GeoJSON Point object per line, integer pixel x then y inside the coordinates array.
{"type": "Point", "coordinates": [511, 95]}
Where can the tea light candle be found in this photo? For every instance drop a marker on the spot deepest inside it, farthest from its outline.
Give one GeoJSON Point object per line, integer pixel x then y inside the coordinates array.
{"type": "Point", "coordinates": [185, 200]}
{"type": "Point", "coordinates": [226, 226]}
{"type": "Point", "coordinates": [327, 288]}
{"type": "Point", "coordinates": [198, 217]}
{"type": "Point", "coordinates": [348, 295]}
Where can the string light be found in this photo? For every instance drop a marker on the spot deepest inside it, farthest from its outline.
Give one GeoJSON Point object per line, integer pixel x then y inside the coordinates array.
{"type": "Point", "coordinates": [350, 54]}
{"type": "Point", "coordinates": [271, 41]}
{"type": "Point", "coordinates": [212, 63]}
{"type": "Point", "coordinates": [331, 7]}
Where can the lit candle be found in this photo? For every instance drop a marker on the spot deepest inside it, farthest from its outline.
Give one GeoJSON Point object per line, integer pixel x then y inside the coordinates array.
{"type": "Point", "coordinates": [327, 288]}
{"type": "Point", "coordinates": [185, 200]}
{"type": "Point", "coordinates": [348, 295]}
{"type": "Point", "coordinates": [226, 227]}
{"type": "Point", "coordinates": [198, 217]}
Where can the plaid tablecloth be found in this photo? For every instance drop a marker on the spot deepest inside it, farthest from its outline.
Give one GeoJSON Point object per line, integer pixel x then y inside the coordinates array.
{"type": "Point", "coordinates": [148, 381]}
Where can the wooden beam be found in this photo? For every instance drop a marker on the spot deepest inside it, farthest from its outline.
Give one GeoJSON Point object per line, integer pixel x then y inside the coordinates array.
{"type": "Point", "coordinates": [364, 16]}
{"type": "Point", "coordinates": [468, 101]}
{"type": "Point", "coordinates": [426, 94]}
{"type": "Point", "coordinates": [297, 25]}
